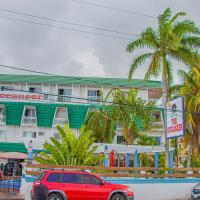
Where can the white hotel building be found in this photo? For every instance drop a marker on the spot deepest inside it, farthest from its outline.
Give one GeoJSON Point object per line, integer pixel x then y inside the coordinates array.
{"type": "Point", "coordinates": [32, 105]}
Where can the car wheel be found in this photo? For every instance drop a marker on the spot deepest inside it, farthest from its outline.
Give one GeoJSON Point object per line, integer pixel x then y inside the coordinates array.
{"type": "Point", "coordinates": [55, 197]}
{"type": "Point", "coordinates": [118, 197]}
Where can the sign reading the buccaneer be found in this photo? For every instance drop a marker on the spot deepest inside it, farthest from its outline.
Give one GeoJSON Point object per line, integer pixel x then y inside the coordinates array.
{"type": "Point", "coordinates": [175, 118]}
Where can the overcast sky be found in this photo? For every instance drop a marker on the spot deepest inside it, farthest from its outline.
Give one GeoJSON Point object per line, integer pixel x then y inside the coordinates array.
{"type": "Point", "coordinates": [74, 53]}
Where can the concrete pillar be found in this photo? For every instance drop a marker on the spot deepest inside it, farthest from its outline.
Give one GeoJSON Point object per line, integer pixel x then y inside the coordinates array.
{"type": "Point", "coordinates": [127, 159]}
{"type": "Point", "coordinates": [156, 160]}
{"type": "Point", "coordinates": [105, 162]}
{"type": "Point", "coordinates": [171, 161]}
{"type": "Point", "coordinates": [136, 158]}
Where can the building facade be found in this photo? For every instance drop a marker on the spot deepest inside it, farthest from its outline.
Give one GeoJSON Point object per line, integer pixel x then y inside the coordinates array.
{"type": "Point", "coordinates": [31, 105]}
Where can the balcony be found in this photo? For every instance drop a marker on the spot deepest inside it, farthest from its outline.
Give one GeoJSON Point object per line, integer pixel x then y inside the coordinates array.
{"type": "Point", "coordinates": [64, 99]}
{"type": "Point", "coordinates": [29, 121]}
{"type": "Point", "coordinates": [94, 99]}
{"type": "Point", "coordinates": [60, 121]}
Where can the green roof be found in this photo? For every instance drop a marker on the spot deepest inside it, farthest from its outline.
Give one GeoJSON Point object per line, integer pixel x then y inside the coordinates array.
{"type": "Point", "coordinates": [113, 82]}
{"type": "Point", "coordinates": [12, 147]}
{"type": "Point", "coordinates": [45, 113]}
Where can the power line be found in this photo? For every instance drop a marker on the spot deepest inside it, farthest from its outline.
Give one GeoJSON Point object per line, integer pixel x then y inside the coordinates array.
{"type": "Point", "coordinates": [66, 22]}
{"type": "Point", "coordinates": [63, 27]}
{"type": "Point", "coordinates": [76, 78]}
{"type": "Point", "coordinates": [115, 9]}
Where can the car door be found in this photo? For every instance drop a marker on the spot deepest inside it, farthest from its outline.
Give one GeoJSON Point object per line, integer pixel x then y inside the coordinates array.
{"type": "Point", "coordinates": [53, 181]}
{"type": "Point", "coordinates": [93, 188]}
{"type": "Point", "coordinates": [71, 186]}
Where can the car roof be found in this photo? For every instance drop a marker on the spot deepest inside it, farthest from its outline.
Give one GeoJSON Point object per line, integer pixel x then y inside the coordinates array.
{"type": "Point", "coordinates": [66, 171]}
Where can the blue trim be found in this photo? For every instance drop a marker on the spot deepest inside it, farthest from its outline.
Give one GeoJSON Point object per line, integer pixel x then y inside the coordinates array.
{"type": "Point", "coordinates": [139, 180]}
{"type": "Point", "coordinates": [156, 160]}
{"type": "Point", "coordinates": [136, 158]}
{"type": "Point", "coordinates": [127, 159]}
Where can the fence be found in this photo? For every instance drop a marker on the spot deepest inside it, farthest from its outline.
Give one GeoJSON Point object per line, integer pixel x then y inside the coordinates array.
{"type": "Point", "coordinates": [10, 184]}
{"type": "Point", "coordinates": [139, 172]}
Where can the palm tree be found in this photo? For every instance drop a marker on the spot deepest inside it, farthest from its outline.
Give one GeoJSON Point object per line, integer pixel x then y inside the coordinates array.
{"type": "Point", "coordinates": [70, 151]}
{"type": "Point", "coordinates": [131, 113]}
{"type": "Point", "coordinates": [101, 124]}
{"type": "Point", "coordinates": [173, 39]}
{"type": "Point", "coordinates": [190, 90]}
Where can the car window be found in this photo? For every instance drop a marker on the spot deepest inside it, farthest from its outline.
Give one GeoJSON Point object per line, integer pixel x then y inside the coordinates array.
{"type": "Point", "coordinates": [54, 177]}
{"type": "Point", "coordinates": [70, 178]}
{"type": "Point", "coordinates": [88, 179]}
{"type": "Point", "coordinates": [40, 177]}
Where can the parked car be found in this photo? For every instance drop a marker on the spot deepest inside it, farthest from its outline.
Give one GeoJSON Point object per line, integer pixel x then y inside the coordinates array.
{"type": "Point", "coordinates": [78, 185]}
{"type": "Point", "coordinates": [195, 195]}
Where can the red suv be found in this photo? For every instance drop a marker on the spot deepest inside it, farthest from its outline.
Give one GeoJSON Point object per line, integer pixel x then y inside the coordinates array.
{"type": "Point", "coordinates": [78, 185]}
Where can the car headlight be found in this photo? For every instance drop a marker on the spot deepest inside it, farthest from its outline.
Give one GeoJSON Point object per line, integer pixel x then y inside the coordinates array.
{"type": "Point", "coordinates": [129, 189]}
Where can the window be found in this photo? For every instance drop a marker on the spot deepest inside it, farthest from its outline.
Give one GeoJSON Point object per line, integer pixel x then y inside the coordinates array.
{"type": "Point", "coordinates": [29, 134]}
{"type": "Point", "coordinates": [54, 178]}
{"type": "Point", "coordinates": [35, 89]}
{"type": "Point", "coordinates": [70, 178]}
{"type": "Point", "coordinates": [157, 140]}
{"type": "Point", "coordinates": [94, 96]}
{"type": "Point", "coordinates": [2, 114]}
{"type": "Point", "coordinates": [64, 95]}
{"type": "Point", "coordinates": [41, 134]}
{"type": "Point", "coordinates": [156, 117]}
{"type": "Point", "coordinates": [7, 88]}
{"type": "Point", "coordinates": [88, 179]}
{"type": "Point", "coordinates": [120, 139]}
{"type": "Point", "coordinates": [60, 116]}
{"type": "Point", "coordinates": [29, 116]}
{"type": "Point", "coordinates": [2, 134]}
{"type": "Point", "coordinates": [57, 136]}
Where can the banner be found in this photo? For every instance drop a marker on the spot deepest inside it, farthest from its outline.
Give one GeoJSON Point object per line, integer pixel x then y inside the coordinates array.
{"type": "Point", "coordinates": [175, 118]}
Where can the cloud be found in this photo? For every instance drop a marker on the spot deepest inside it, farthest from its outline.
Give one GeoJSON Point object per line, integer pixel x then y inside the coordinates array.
{"type": "Point", "coordinates": [74, 53]}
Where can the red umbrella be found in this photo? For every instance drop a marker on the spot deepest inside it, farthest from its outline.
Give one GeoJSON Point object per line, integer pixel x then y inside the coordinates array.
{"type": "Point", "coordinates": [112, 159]}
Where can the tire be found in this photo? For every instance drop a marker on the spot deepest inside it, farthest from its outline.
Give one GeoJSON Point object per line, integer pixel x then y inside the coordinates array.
{"type": "Point", "coordinates": [118, 197]}
{"type": "Point", "coordinates": [55, 197]}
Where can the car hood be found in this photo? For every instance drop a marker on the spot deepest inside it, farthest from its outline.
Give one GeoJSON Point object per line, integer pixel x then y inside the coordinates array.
{"type": "Point", "coordinates": [117, 186]}
{"type": "Point", "coordinates": [197, 187]}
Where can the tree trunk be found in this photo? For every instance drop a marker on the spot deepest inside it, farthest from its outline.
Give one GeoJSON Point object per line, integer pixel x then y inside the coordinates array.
{"type": "Point", "coordinates": [165, 99]}
{"type": "Point", "coordinates": [189, 154]}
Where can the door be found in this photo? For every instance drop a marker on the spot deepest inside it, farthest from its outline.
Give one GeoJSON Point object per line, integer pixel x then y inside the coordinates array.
{"type": "Point", "coordinates": [53, 181]}
{"type": "Point", "coordinates": [93, 188]}
{"type": "Point", "coordinates": [71, 186]}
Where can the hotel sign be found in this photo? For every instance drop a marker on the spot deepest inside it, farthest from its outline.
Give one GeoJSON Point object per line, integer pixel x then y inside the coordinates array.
{"type": "Point", "coordinates": [175, 118]}
{"type": "Point", "coordinates": [23, 96]}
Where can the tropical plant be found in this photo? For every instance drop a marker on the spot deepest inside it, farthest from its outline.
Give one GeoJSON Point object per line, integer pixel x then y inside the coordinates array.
{"type": "Point", "coordinates": [173, 39]}
{"type": "Point", "coordinates": [101, 123]}
{"type": "Point", "coordinates": [70, 150]}
{"type": "Point", "coordinates": [145, 140]}
{"type": "Point", "coordinates": [190, 90]}
{"type": "Point", "coordinates": [131, 113]}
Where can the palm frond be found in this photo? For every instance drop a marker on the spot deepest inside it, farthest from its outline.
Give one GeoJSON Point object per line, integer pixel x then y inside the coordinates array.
{"type": "Point", "coordinates": [176, 16]}
{"type": "Point", "coordinates": [191, 41]}
{"type": "Point", "coordinates": [169, 73]}
{"type": "Point", "coordinates": [138, 61]}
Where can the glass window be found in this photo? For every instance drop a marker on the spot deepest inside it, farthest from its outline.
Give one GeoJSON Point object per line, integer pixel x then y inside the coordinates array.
{"type": "Point", "coordinates": [2, 114]}
{"type": "Point", "coordinates": [120, 139]}
{"type": "Point", "coordinates": [61, 116]}
{"type": "Point", "coordinates": [94, 96]}
{"type": "Point", "coordinates": [41, 134]}
{"type": "Point", "coordinates": [35, 89]}
{"type": "Point", "coordinates": [70, 178]}
{"type": "Point", "coordinates": [64, 95]}
{"type": "Point", "coordinates": [29, 115]}
{"type": "Point", "coordinates": [29, 134]}
{"type": "Point", "coordinates": [54, 178]}
{"type": "Point", "coordinates": [88, 179]}
{"type": "Point", "coordinates": [2, 133]}
{"type": "Point", "coordinates": [6, 88]}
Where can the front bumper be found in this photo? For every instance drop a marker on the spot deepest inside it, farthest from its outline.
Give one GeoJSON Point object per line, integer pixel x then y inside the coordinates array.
{"type": "Point", "coordinates": [195, 195]}
{"type": "Point", "coordinates": [131, 198]}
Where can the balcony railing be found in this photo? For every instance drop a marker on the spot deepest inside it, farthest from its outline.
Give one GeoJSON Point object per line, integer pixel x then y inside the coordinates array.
{"type": "Point", "coordinates": [60, 121]}
{"type": "Point", "coordinates": [64, 99]}
{"type": "Point", "coordinates": [29, 120]}
{"type": "Point", "coordinates": [94, 99]}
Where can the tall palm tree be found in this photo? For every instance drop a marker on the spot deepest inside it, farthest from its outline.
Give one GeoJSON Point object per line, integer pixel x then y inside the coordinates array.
{"type": "Point", "coordinates": [173, 39]}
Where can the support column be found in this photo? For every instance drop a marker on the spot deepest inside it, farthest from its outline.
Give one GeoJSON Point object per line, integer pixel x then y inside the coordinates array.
{"type": "Point", "coordinates": [105, 162]}
{"type": "Point", "coordinates": [171, 161]}
{"type": "Point", "coordinates": [156, 160]}
{"type": "Point", "coordinates": [127, 159]}
{"type": "Point", "coordinates": [136, 158]}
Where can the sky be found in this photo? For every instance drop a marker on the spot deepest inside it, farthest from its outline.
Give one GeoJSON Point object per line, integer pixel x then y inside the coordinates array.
{"type": "Point", "coordinates": [74, 53]}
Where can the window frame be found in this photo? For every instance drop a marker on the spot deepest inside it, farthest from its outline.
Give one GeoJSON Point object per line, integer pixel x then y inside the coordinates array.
{"type": "Point", "coordinates": [3, 116]}
{"type": "Point", "coordinates": [89, 175]}
{"type": "Point", "coordinates": [54, 118]}
{"type": "Point", "coordinates": [63, 98]}
{"type": "Point", "coordinates": [59, 181]}
{"type": "Point", "coordinates": [32, 119]}
{"type": "Point", "coordinates": [62, 175]}
{"type": "Point", "coordinates": [34, 133]}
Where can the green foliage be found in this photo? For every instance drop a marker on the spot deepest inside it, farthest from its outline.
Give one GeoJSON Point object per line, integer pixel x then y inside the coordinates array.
{"type": "Point", "coordinates": [144, 160]}
{"type": "Point", "coordinates": [101, 124]}
{"type": "Point", "coordinates": [70, 150]}
{"type": "Point", "coordinates": [195, 161]}
{"type": "Point", "coordinates": [161, 160]}
{"type": "Point", "coordinates": [145, 140]}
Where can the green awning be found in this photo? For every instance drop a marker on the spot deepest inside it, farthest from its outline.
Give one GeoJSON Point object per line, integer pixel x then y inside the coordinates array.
{"type": "Point", "coordinates": [12, 147]}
